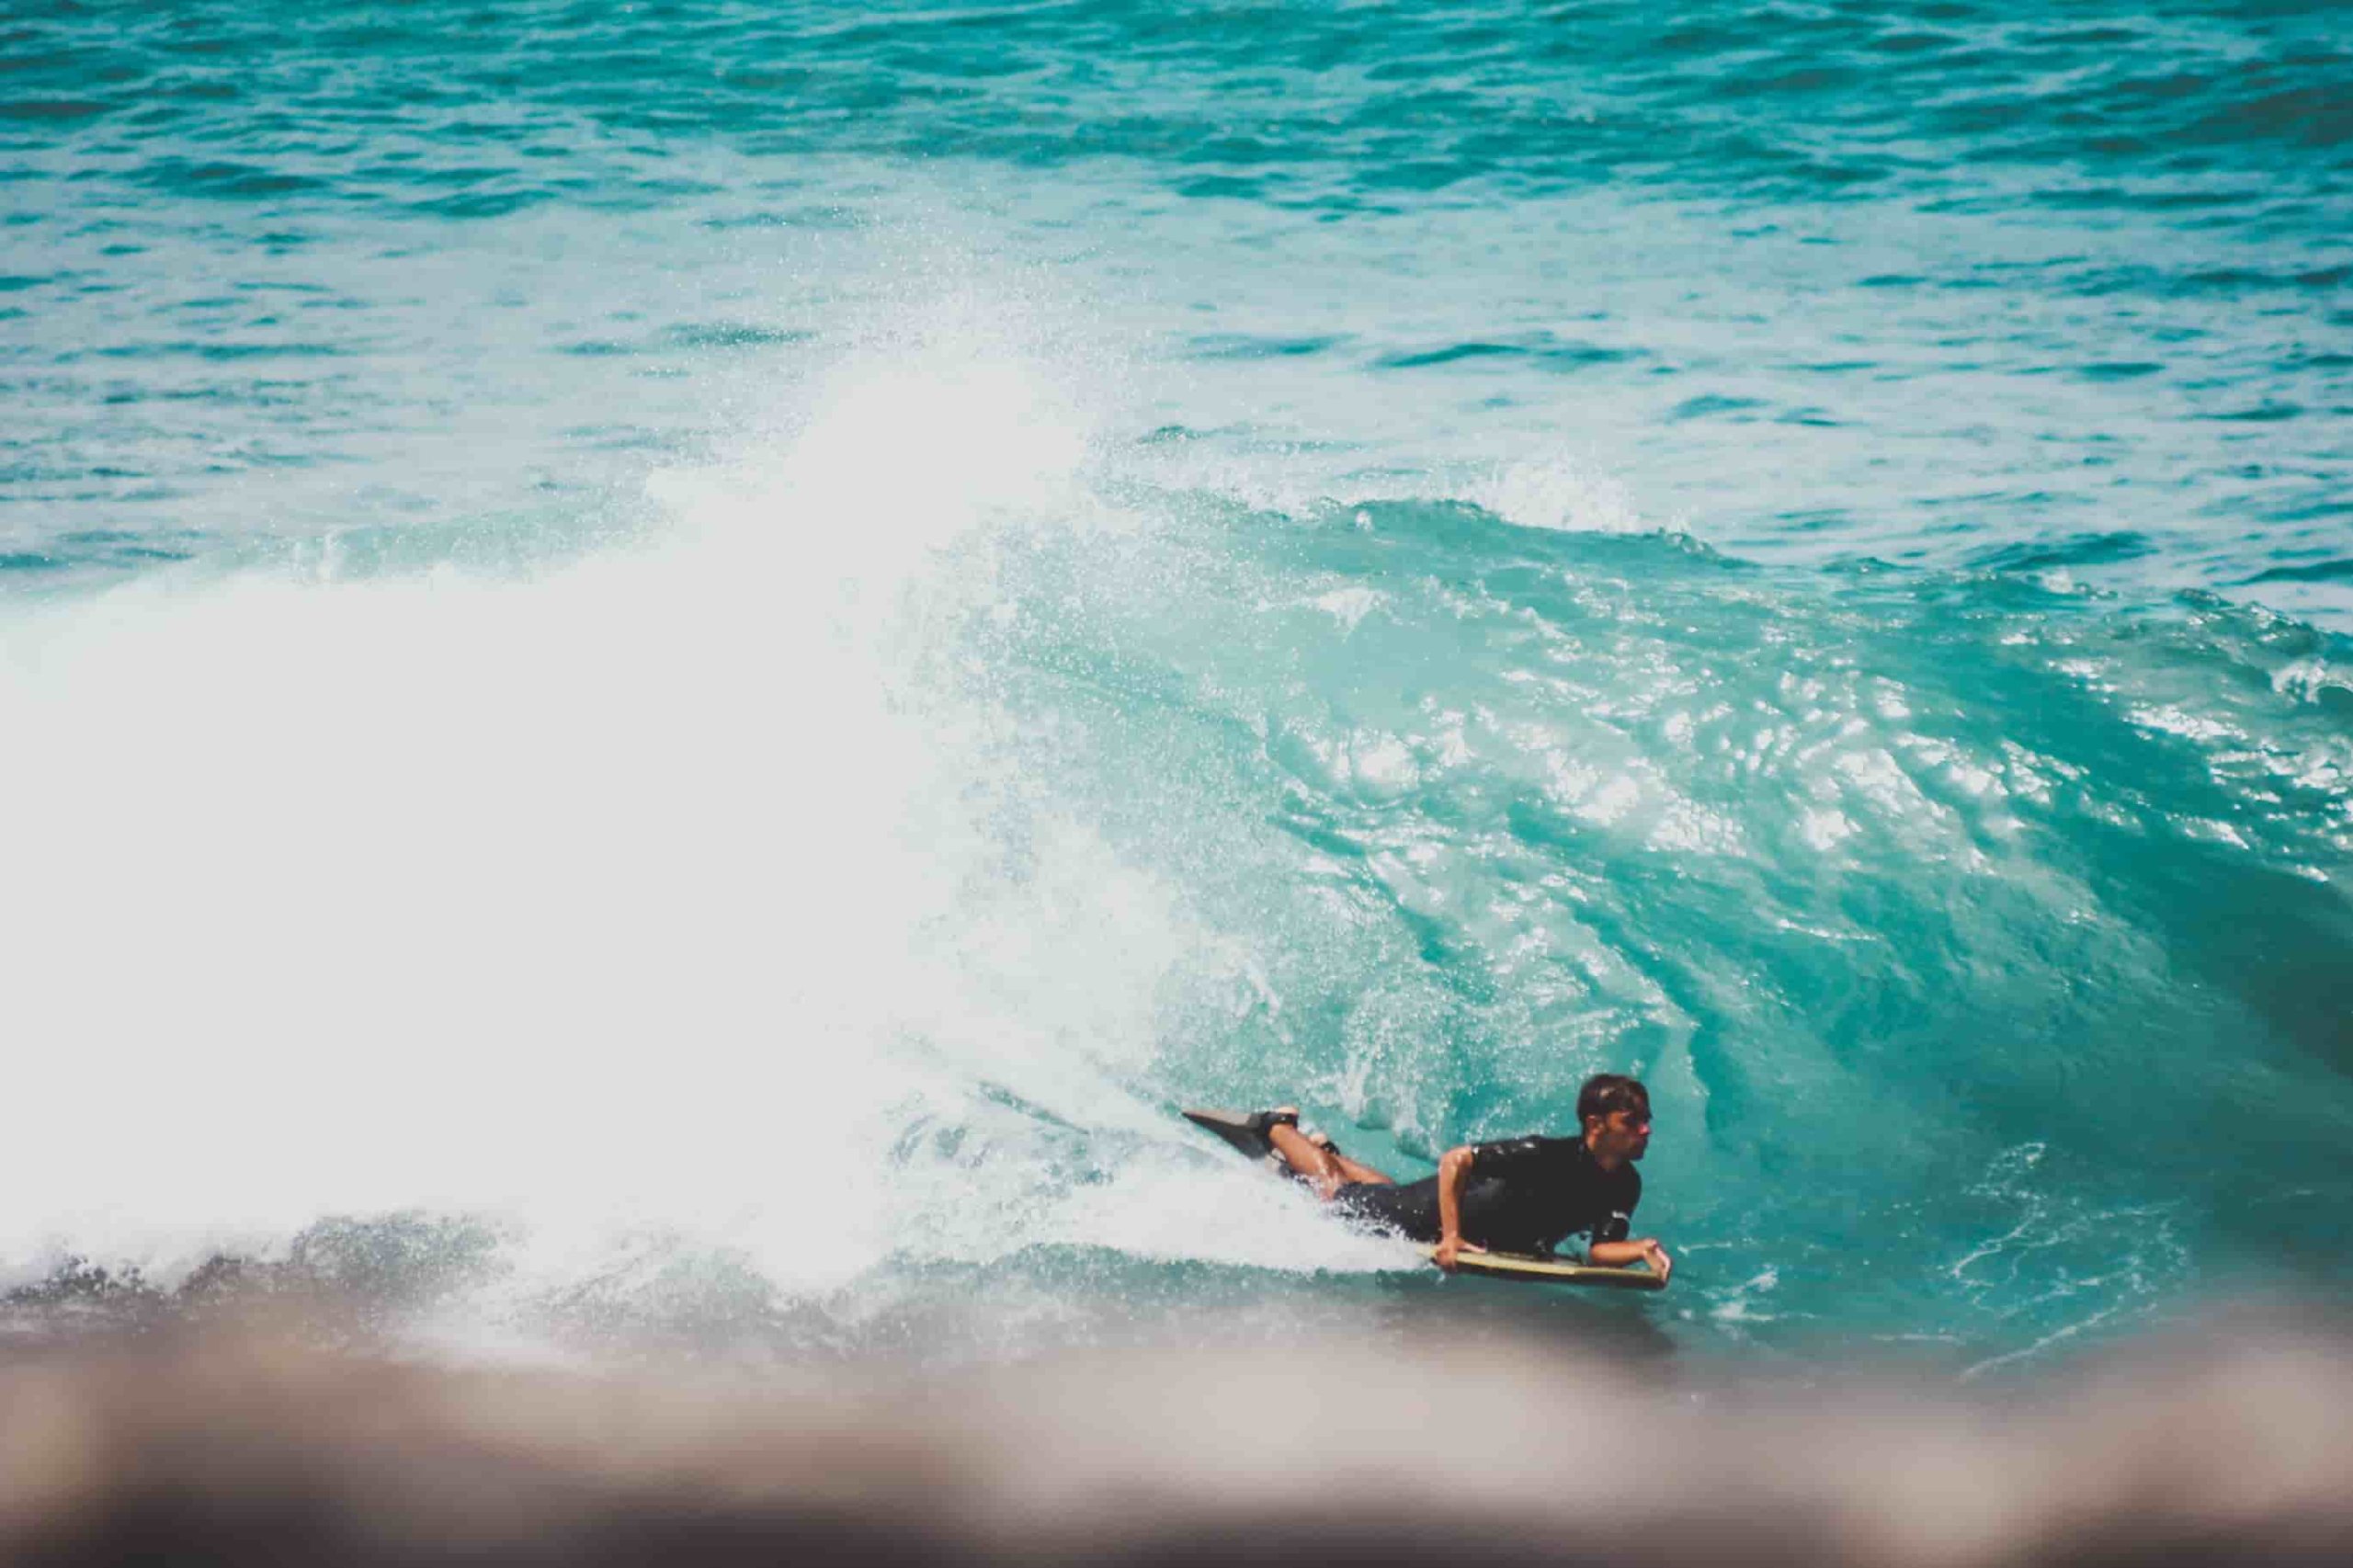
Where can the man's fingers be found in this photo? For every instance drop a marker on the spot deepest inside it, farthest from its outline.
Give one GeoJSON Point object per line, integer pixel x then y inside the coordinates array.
{"type": "Point", "coordinates": [1473, 1246]}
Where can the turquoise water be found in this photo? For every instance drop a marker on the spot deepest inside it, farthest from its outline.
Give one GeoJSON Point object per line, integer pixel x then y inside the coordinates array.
{"type": "Point", "coordinates": [679, 667]}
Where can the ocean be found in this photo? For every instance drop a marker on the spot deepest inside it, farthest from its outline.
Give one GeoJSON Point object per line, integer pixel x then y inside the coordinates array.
{"type": "Point", "coordinates": [670, 672]}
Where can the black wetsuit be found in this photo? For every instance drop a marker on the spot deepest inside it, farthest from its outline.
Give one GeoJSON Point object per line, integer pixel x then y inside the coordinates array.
{"type": "Point", "coordinates": [1523, 1195]}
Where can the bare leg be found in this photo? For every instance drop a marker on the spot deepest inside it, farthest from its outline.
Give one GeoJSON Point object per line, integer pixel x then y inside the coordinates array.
{"type": "Point", "coordinates": [1314, 1164]}
{"type": "Point", "coordinates": [1325, 1170]}
{"type": "Point", "coordinates": [1357, 1170]}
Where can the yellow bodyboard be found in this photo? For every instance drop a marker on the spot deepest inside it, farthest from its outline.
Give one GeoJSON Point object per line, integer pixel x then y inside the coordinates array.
{"type": "Point", "coordinates": [1531, 1269]}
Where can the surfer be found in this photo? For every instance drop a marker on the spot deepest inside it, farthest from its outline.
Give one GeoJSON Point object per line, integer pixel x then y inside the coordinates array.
{"type": "Point", "coordinates": [1521, 1195]}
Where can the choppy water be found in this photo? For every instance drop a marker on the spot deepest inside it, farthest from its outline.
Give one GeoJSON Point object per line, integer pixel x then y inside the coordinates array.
{"type": "Point", "coordinates": [682, 666]}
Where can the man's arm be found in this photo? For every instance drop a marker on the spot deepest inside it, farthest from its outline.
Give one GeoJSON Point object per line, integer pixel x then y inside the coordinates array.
{"type": "Point", "coordinates": [1618, 1254]}
{"type": "Point", "coordinates": [1453, 1167]}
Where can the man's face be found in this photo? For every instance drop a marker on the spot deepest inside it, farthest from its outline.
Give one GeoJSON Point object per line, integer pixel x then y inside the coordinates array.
{"type": "Point", "coordinates": [1621, 1135]}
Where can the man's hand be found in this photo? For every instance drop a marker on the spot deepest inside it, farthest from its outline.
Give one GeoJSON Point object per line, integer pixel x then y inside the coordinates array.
{"type": "Point", "coordinates": [1644, 1250]}
{"type": "Point", "coordinates": [1449, 1248]}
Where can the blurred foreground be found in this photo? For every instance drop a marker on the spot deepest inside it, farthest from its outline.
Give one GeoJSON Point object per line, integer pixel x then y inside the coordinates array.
{"type": "Point", "coordinates": [2234, 1444]}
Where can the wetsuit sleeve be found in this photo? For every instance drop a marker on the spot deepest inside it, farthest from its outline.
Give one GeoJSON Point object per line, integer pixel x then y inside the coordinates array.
{"type": "Point", "coordinates": [1615, 1221]}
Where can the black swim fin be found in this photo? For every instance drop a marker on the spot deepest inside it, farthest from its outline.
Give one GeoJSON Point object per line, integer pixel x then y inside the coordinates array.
{"type": "Point", "coordinates": [1245, 1133]}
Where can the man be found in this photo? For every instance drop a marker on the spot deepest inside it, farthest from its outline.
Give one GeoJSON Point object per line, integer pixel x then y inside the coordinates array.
{"type": "Point", "coordinates": [1524, 1195]}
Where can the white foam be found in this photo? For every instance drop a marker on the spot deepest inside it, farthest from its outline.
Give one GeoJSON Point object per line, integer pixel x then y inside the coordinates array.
{"type": "Point", "coordinates": [1560, 493]}
{"type": "Point", "coordinates": [650, 898]}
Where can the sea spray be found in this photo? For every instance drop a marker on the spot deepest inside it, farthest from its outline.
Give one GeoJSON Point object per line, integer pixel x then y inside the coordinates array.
{"type": "Point", "coordinates": [669, 892]}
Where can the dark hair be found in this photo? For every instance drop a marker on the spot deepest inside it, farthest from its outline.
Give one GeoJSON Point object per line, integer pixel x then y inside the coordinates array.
{"type": "Point", "coordinates": [1607, 1093]}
